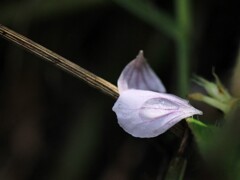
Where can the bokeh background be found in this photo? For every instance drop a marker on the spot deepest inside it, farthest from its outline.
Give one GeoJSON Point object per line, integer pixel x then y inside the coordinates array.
{"type": "Point", "coordinates": [54, 126]}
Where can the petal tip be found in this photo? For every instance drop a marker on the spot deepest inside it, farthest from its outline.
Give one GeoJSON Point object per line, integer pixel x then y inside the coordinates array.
{"type": "Point", "coordinates": [196, 112]}
{"type": "Point", "coordinates": [199, 112]}
{"type": "Point", "coordinates": [140, 59]}
{"type": "Point", "coordinates": [139, 75]}
{"type": "Point", "coordinates": [141, 53]}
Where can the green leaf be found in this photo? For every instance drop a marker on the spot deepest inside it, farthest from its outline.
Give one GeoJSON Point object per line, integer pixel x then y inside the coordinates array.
{"type": "Point", "coordinates": [203, 134]}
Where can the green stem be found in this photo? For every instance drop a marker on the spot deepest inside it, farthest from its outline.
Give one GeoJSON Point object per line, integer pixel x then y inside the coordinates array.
{"type": "Point", "coordinates": [183, 45]}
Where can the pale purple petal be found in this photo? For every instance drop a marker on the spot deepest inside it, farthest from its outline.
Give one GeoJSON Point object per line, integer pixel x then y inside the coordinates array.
{"type": "Point", "coordinates": [139, 75]}
{"type": "Point", "coordinates": [148, 114]}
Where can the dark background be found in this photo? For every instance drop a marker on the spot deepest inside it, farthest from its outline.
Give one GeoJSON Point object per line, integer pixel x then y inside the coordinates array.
{"type": "Point", "coordinates": [54, 126]}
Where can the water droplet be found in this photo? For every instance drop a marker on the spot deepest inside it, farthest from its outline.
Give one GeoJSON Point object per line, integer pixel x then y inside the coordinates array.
{"type": "Point", "coordinates": [160, 103]}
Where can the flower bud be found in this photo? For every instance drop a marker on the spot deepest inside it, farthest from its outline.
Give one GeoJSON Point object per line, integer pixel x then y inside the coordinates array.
{"type": "Point", "coordinates": [215, 90]}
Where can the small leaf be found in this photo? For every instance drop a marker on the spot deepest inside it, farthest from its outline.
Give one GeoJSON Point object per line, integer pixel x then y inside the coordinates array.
{"type": "Point", "coordinates": [203, 134]}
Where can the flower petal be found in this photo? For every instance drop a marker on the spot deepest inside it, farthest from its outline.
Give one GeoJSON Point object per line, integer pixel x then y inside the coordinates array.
{"type": "Point", "coordinates": [139, 75]}
{"type": "Point", "coordinates": [148, 114]}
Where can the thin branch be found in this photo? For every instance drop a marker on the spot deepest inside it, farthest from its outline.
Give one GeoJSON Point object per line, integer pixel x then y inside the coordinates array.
{"type": "Point", "coordinates": [60, 62]}
{"type": "Point", "coordinates": [68, 66]}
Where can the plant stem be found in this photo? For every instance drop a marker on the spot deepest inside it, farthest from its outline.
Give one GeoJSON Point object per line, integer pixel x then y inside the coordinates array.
{"type": "Point", "coordinates": [60, 62]}
{"type": "Point", "coordinates": [183, 44]}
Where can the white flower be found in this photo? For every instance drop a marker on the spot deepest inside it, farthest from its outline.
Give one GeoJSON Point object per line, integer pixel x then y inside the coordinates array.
{"type": "Point", "coordinates": [143, 108]}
